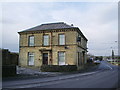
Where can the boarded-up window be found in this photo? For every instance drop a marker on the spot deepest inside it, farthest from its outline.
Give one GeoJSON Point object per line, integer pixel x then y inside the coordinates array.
{"type": "Point", "coordinates": [30, 58]}
{"type": "Point", "coordinates": [61, 39]}
{"type": "Point", "coordinates": [31, 40]}
{"type": "Point", "coordinates": [61, 58]}
{"type": "Point", "coordinates": [46, 40]}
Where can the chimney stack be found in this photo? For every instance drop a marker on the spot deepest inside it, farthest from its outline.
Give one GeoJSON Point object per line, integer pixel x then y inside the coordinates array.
{"type": "Point", "coordinates": [71, 24]}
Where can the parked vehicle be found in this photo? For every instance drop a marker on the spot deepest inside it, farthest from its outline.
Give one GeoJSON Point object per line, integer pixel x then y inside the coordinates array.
{"type": "Point", "coordinates": [97, 61]}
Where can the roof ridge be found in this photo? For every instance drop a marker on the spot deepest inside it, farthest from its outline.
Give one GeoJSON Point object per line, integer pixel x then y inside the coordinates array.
{"type": "Point", "coordinates": [53, 23]}
{"type": "Point", "coordinates": [49, 26]}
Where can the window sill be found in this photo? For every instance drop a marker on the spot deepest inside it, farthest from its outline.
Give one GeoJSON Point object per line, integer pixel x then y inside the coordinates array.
{"type": "Point", "coordinates": [31, 46]}
{"type": "Point", "coordinates": [46, 45]}
{"type": "Point", "coordinates": [31, 65]}
{"type": "Point", "coordinates": [61, 45]}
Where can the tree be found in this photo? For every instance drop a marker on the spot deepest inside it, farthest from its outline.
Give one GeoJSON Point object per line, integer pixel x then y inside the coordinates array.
{"type": "Point", "coordinates": [112, 54]}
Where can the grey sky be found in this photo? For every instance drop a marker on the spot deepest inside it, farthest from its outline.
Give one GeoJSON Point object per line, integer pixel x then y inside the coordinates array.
{"type": "Point", "coordinates": [98, 22]}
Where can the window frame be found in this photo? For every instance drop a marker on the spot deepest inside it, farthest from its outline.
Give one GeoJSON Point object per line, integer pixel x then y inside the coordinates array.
{"type": "Point", "coordinates": [44, 40]}
{"type": "Point", "coordinates": [64, 58]}
{"type": "Point", "coordinates": [79, 42]}
{"type": "Point", "coordinates": [29, 44]}
{"type": "Point", "coordinates": [28, 62]}
{"type": "Point", "coordinates": [59, 39]}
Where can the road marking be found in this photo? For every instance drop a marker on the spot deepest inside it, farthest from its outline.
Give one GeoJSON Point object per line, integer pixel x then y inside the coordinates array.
{"type": "Point", "coordinates": [109, 67]}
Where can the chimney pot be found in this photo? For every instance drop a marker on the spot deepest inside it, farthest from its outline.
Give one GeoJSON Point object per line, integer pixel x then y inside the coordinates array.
{"type": "Point", "coordinates": [71, 24]}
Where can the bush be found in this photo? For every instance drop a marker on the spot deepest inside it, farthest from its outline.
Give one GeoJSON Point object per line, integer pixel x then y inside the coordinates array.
{"type": "Point", "coordinates": [96, 63]}
{"type": "Point", "coordinates": [57, 68]}
{"type": "Point", "coordinates": [8, 70]}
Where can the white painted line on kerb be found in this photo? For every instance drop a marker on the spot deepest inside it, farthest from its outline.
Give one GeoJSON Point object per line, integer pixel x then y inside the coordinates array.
{"type": "Point", "coordinates": [109, 67]}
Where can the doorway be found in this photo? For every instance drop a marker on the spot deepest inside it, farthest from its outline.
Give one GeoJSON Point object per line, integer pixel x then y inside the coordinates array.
{"type": "Point", "coordinates": [45, 58]}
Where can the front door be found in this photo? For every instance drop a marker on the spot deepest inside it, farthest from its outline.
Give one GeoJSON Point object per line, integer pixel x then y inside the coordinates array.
{"type": "Point", "coordinates": [83, 57]}
{"type": "Point", "coordinates": [45, 58]}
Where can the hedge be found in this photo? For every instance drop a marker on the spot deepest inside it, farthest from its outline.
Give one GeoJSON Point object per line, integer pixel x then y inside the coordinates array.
{"type": "Point", "coordinates": [8, 70]}
{"type": "Point", "coordinates": [57, 68]}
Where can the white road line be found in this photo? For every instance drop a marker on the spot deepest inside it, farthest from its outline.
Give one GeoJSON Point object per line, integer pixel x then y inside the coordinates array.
{"type": "Point", "coordinates": [109, 67]}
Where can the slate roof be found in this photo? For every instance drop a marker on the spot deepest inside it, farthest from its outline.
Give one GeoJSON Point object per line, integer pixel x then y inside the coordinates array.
{"type": "Point", "coordinates": [49, 26]}
{"type": "Point", "coordinates": [52, 26]}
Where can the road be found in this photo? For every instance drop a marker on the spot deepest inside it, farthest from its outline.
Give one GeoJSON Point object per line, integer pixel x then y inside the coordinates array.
{"type": "Point", "coordinates": [105, 77]}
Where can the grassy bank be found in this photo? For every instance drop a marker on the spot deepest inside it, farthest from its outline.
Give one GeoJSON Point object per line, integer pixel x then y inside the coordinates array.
{"type": "Point", "coordinates": [89, 67]}
{"type": "Point", "coordinates": [115, 63]}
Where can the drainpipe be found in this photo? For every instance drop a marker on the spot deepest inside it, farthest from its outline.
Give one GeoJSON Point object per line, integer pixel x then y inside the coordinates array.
{"type": "Point", "coordinates": [19, 51]}
{"type": "Point", "coordinates": [51, 49]}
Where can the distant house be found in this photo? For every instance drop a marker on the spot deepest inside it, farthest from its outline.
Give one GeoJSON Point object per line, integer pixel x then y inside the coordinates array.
{"type": "Point", "coordinates": [52, 44]}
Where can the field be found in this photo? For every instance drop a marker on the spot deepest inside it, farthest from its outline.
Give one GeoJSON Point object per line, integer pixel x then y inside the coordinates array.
{"type": "Point", "coordinates": [116, 62]}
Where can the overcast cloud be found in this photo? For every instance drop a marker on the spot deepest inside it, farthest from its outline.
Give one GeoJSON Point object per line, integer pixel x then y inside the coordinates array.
{"type": "Point", "coordinates": [98, 22]}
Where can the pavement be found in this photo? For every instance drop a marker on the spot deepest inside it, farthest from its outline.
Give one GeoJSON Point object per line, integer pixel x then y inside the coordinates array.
{"type": "Point", "coordinates": [107, 77]}
{"type": "Point", "coordinates": [85, 80]}
{"type": "Point", "coordinates": [36, 82]}
{"type": "Point", "coordinates": [22, 70]}
{"type": "Point", "coordinates": [28, 73]}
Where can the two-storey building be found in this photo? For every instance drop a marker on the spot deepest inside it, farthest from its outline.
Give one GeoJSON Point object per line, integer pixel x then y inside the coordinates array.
{"type": "Point", "coordinates": [52, 44]}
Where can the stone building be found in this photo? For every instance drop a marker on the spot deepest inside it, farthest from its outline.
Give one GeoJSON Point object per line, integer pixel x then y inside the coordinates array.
{"type": "Point", "coordinates": [52, 44]}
